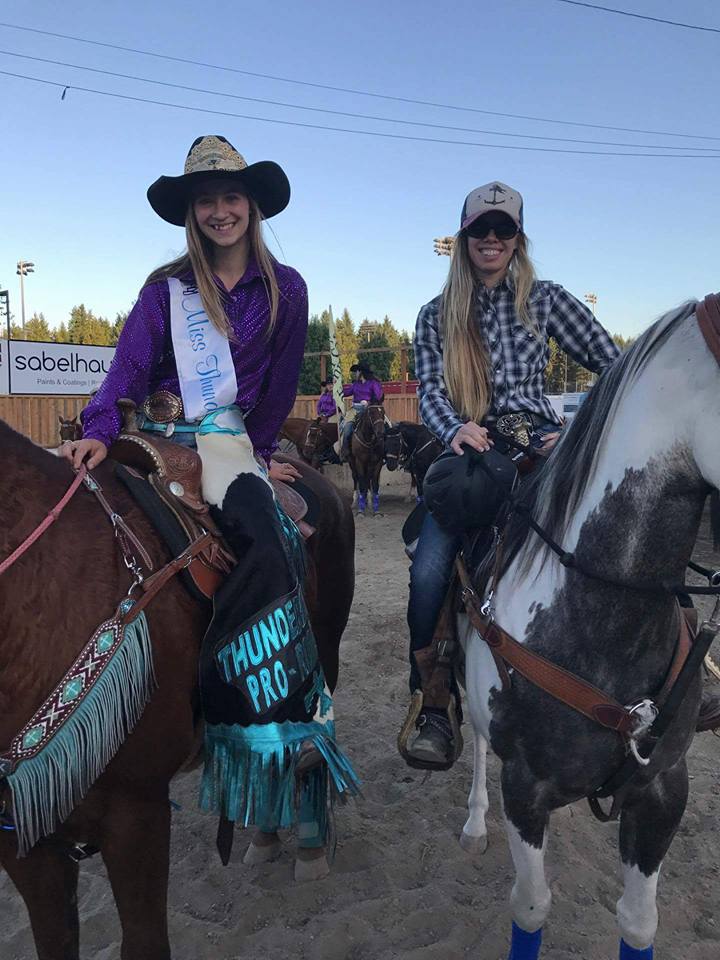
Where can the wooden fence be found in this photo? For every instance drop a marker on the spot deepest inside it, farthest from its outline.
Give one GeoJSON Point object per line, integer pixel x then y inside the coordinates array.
{"type": "Point", "coordinates": [37, 417]}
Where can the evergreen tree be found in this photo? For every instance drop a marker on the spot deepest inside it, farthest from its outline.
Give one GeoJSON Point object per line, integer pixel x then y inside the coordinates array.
{"type": "Point", "coordinates": [347, 343]}
{"type": "Point", "coordinates": [85, 327]}
{"type": "Point", "coordinates": [17, 332]}
{"type": "Point", "coordinates": [317, 339]}
{"type": "Point", "coordinates": [117, 327]}
{"type": "Point", "coordinates": [393, 338]}
{"type": "Point", "coordinates": [37, 328]}
{"type": "Point", "coordinates": [407, 341]}
{"type": "Point", "coordinates": [379, 362]}
{"type": "Point", "coordinates": [61, 334]}
{"type": "Point", "coordinates": [622, 342]}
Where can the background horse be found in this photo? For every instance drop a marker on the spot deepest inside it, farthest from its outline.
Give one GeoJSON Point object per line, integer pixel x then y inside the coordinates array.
{"type": "Point", "coordinates": [126, 813]}
{"type": "Point", "coordinates": [367, 452]}
{"type": "Point", "coordinates": [624, 491]}
{"type": "Point", "coordinates": [410, 446]}
{"type": "Point", "coordinates": [70, 429]}
{"type": "Point", "coordinates": [313, 439]}
{"type": "Point", "coordinates": [319, 443]}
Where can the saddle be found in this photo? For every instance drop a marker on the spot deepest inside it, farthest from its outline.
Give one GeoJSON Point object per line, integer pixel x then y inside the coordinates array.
{"type": "Point", "coordinates": [174, 473]}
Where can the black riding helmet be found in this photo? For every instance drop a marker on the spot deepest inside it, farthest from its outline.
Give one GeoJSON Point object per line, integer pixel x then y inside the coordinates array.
{"type": "Point", "coordinates": [466, 492]}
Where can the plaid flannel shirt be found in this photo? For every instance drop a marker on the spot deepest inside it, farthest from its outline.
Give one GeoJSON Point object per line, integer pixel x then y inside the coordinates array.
{"type": "Point", "coordinates": [518, 358]}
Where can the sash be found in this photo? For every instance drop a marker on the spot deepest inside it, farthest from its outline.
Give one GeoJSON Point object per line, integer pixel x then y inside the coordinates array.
{"type": "Point", "coordinates": [202, 354]}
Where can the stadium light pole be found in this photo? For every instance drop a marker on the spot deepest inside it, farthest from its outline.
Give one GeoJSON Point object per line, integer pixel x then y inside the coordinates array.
{"type": "Point", "coordinates": [591, 301]}
{"type": "Point", "coordinates": [24, 267]}
{"type": "Point", "coordinates": [5, 306]}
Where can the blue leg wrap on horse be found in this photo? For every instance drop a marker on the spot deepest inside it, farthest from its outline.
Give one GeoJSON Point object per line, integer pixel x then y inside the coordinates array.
{"type": "Point", "coordinates": [362, 503]}
{"type": "Point", "coordinates": [525, 946]}
{"type": "Point", "coordinates": [630, 953]}
{"type": "Point", "coordinates": [376, 501]}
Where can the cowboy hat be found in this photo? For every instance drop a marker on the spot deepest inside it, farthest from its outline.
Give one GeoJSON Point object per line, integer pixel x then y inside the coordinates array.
{"type": "Point", "coordinates": [215, 158]}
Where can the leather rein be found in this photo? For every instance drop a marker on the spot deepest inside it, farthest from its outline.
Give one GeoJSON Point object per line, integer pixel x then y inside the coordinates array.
{"type": "Point", "coordinates": [127, 541]}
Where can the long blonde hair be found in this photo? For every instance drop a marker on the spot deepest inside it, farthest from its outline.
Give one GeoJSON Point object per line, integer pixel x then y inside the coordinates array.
{"type": "Point", "coordinates": [466, 363]}
{"type": "Point", "coordinates": [198, 259]}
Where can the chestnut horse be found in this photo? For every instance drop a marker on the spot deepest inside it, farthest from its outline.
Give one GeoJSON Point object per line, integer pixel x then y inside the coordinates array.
{"type": "Point", "coordinates": [313, 439]}
{"type": "Point", "coordinates": [126, 813]}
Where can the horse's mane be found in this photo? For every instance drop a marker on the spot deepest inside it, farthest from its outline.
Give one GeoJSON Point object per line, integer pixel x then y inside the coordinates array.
{"type": "Point", "coordinates": [553, 494]}
{"type": "Point", "coordinates": [16, 446]}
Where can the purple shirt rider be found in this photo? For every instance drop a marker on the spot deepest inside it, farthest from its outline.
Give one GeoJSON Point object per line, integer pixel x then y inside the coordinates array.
{"type": "Point", "coordinates": [360, 390]}
{"type": "Point", "coordinates": [267, 369]}
{"type": "Point", "coordinates": [326, 405]}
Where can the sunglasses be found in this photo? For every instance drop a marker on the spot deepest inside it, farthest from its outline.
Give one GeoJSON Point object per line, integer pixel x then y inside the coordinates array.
{"type": "Point", "coordinates": [502, 226]}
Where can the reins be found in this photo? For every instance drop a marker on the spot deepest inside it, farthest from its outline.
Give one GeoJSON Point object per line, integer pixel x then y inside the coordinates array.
{"type": "Point", "coordinates": [47, 522]}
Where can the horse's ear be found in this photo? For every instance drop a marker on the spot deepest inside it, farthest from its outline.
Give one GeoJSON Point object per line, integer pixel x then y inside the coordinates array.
{"type": "Point", "coordinates": [60, 419]}
{"type": "Point", "coordinates": [74, 419]}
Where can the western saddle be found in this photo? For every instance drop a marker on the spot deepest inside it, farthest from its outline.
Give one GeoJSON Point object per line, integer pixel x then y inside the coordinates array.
{"type": "Point", "coordinates": [174, 474]}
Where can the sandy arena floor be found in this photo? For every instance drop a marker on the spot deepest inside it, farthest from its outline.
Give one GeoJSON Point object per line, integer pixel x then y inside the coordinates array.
{"type": "Point", "coordinates": [400, 886]}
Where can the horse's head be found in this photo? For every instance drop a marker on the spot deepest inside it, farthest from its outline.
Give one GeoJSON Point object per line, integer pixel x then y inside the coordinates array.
{"type": "Point", "coordinates": [395, 449]}
{"type": "Point", "coordinates": [70, 429]}
{"type": "Point", "coordinates": [314, 440]}
{"type": "Point", "coordinates": [376, 417]}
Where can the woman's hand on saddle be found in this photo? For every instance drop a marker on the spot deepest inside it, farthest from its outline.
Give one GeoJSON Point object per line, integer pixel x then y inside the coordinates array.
{"type": "Point", "coordinates": [472, 434]}
{"type": "Point", "coordinates": [94, 451]}
{"type": "Point", "coordinates": [283, 471]}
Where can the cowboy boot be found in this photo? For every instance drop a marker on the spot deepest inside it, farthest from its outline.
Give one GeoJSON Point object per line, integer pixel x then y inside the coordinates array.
{"type": "Point", "coordinates": [435, 743]}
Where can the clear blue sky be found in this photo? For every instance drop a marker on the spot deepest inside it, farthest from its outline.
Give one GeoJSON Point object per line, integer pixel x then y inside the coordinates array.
{"type": "Point", "coordinates": [640, 233]}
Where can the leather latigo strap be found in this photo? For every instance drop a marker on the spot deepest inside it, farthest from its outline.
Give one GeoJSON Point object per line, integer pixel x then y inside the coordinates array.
{"type": "Point", "coordinates": [558, 682]}
{"type": "Point", "coordinates": [154, 584]}
{"type": "Point", "coordinates": [708, 318]}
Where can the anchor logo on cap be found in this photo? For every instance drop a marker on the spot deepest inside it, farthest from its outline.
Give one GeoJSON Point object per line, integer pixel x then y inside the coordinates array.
{"type": "Point", "coordinates": [496, 189]}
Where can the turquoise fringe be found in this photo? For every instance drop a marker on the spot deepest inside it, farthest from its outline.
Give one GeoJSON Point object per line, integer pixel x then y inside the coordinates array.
{"type": "Point", "coordinates": [47, 787]}
{"type": "Point", "coordinates": [249, 774]}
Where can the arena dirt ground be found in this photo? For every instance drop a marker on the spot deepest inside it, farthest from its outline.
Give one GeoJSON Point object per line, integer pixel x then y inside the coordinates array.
{"type": "Point", "coordinates": [400, 885]}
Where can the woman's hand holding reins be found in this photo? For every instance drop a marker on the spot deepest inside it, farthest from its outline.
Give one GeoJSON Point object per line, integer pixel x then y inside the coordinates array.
{"type": "Point", "coordinates": [472, 434]}
{"type": "Point", "coordinates": [76, 451]}
{"type": "Point", "coordinates": [283, 471]}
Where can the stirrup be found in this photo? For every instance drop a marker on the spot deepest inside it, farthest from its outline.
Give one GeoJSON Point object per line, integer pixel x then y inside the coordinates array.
{"type": "Point", "coordinates": [416, 705]}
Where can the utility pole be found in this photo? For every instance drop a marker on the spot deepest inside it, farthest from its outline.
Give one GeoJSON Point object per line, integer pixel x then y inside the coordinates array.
{"type": "Point", "coordinates": [24, 267]}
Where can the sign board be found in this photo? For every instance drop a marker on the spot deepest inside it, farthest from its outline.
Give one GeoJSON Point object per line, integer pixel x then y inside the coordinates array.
{"type": "Point", "coordinates": [60, 369]}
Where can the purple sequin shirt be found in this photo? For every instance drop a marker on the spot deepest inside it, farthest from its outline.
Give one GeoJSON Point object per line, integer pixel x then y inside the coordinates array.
{"type": "Point", "coordinates": [267, 369]}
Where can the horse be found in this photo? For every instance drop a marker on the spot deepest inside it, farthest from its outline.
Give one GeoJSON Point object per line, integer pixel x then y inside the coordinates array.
{"type": "Point", "coordinates": [320, 438]}
{"type": "Point", "coordinates": [624, 493]}
{"type": "Point", "coordinates": [367, 452]}
{"type": "Point", "coordinates": [70, 429]}
{"type": "Point", "coordinates": [313, 439]}
{"type": "Point", "coordinates": [126, 812]}
{"type": "Point", "coordinates": [410, 446]}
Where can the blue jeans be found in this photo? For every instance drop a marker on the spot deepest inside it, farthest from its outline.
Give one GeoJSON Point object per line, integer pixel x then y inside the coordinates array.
{"type": "Point", "coordinates": [430, 575]}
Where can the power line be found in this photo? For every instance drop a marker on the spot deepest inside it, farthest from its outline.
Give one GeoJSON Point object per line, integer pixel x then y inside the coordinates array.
{"type": "Point", "coordinates": [369, 133]}
{"type": "Point", "coordinates": [344, 113]}
{"type": "Point", "coordinates": [640, 16]}
{"type": "Point", "coordinates": [354, 92]}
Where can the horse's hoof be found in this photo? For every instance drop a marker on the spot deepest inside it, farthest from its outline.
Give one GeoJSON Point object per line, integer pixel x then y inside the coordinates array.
{"type": "Point", "coordinates": [262, 854]}
{"type": "Point", "coordinates": [316, 868]}
{"type": "Point", "coordinates": [360, 514]}
{"type": "Point", "coordinates": [475, 846]}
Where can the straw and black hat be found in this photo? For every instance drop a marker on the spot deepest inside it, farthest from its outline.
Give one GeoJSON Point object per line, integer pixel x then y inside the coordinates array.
{"type": "Point", "coordinates": [215, 158]}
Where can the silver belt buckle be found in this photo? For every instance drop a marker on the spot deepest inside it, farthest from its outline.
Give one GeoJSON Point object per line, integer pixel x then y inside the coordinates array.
{"type": "Point", "coordinates": [515, 425]}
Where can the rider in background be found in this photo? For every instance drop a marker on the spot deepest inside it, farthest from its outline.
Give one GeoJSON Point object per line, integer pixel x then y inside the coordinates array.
{"type": "Point", "coordinates": [326, 402]}
{"type": "Point", "coordinates": [364, 390]}
{"type": "Point", "coordinates": [481, 349]}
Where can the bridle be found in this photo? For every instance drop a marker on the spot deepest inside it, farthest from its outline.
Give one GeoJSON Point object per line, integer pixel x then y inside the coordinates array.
{"type": "Point", "coordinates": [366, 418]}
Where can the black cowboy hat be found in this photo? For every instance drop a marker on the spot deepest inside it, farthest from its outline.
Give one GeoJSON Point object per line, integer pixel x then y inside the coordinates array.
{"type": "Point", "coordinates": [215, 158]}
